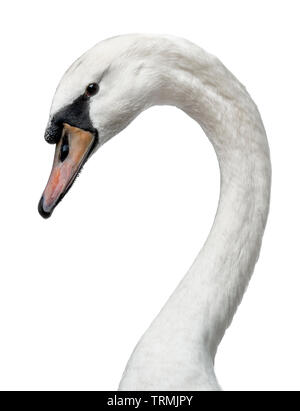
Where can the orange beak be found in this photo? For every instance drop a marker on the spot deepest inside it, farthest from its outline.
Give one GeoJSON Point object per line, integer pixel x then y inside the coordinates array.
{"type": "Point", "coordinates": [71, 153]}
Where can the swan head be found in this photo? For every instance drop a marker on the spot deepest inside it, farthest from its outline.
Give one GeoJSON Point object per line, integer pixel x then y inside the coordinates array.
{"type": "Point", "coordinates": [98, 96]}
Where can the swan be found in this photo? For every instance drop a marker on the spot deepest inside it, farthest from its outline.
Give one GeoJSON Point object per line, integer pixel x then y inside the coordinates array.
{"type": "Point", "coordinates": [98, 96]}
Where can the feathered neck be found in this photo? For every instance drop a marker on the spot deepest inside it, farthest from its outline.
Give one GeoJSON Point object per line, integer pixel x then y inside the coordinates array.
{"type": "Point", "coordinates": [177, 351]}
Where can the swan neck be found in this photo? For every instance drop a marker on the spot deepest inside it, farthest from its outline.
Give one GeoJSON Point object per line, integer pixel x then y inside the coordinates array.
{"type": "Point", "coordinates": [220, 273]}
{"type": "Point", "coordinates": [186, 333]}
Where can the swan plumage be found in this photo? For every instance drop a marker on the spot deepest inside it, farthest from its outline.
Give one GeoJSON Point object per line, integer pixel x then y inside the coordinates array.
{"type": "Point", "coordinates": [135, 72]}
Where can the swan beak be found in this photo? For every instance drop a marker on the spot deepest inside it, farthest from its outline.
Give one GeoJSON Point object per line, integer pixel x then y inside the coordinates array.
{"type": "Point", "coordinates": [71, 152]}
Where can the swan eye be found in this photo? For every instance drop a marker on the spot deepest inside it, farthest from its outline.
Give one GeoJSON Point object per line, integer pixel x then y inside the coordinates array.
{"type": "Point", "coordinates": [92, 89]}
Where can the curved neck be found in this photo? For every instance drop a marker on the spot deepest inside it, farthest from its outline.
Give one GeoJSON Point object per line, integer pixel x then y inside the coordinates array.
{"type": "Point", "coordinates": [186, 333]}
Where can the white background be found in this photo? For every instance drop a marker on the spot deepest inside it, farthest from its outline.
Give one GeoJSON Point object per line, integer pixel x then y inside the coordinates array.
{"type": "Point", "coordinates": [77, 291]}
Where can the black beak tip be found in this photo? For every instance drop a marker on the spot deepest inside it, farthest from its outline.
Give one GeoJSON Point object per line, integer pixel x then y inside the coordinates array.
{"type": "Point", "coordinates": [43, 213]}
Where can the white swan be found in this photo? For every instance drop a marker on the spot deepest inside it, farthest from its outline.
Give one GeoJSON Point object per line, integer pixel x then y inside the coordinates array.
{"type": "Point", "coordinates": [100, 94]}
